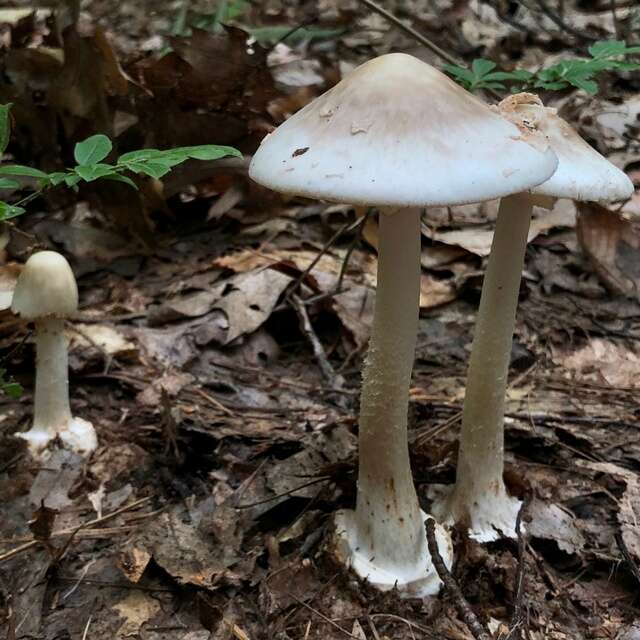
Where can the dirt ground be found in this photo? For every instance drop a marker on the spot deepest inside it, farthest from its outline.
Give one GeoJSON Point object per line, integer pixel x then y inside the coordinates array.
{"type": "Point", "coordinates": [227, 438]}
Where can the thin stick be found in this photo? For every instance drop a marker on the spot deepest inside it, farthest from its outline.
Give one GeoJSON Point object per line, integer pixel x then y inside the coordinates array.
{"type": "Point", "coordinates": [517, 619]}
{"type": "Point", "coordinates": [413, 33]}
{"type": "Point", "coordinates": [321, 615]}
{"type": "Point", "coordinates": [66, 532]}
{"type": "Point", "coordinates": [633, 567]}
{"type": "Point", "coordinates": [464, 608]}
{"type": "Point", "coordinates": [335, 380]}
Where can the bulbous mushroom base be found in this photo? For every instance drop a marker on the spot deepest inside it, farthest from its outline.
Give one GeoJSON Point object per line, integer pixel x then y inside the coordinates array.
{"type": "Point", "coordinates": [417, 580]}
{"type": "Point", "coordinates": [490, 516]}
{"type": "Point", "coordinates": [78, 436]}
{"type": "Point", "coordinates": [37, 439]}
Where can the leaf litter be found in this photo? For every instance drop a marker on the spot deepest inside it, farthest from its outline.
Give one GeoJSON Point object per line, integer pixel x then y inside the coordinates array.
{"type": "Point", "coordinates": [223, 449]}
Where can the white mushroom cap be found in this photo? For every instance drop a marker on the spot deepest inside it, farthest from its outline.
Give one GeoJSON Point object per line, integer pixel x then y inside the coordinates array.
{"type": "Point", "coordinates": [582, 174]}
{"type": "Point", "coordinates": [46, 288]}
{"type": "Point", "coordinates": [397, 132]}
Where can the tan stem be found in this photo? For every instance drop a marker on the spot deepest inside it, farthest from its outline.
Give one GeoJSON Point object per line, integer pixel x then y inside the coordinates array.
{"type": "Point", "coordinates": [481, 456]}
{"type": "Point", "coordinates": [387, 514]}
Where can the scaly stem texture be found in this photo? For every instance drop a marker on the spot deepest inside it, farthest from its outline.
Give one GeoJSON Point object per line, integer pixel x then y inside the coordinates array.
{"type": "Point", "coordinates": [52, 412]}
{"type": "Point", "coordinates": [388, 521]}
{"type": "Point", "coordinates": [481, 456]}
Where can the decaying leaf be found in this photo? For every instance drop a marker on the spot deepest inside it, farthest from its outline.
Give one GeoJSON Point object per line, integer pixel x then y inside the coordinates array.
{"type": "Point", "coordinates": [602, 359]}
{"type": "Point", "coordinates": [612, 243]}
{"type": "Point", "coordinates": [136, 609]}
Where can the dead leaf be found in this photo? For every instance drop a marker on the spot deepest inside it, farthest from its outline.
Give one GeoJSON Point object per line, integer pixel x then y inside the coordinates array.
{"type": "Point", "coordinates": [249, 299]}
{"type": "Point", "coordinates": [612, 244]}
{"type": "Point", "coordinates": [603, 359]}
{"type": "Point", "coordinates": [136, 609]}
{"type": "Point", "coordinates": [41, 525]}
{"type": "Point", "coordinates": [8, 278]}
{"type": "Point", "coordinates": [549, 521]}
{"type": "Point", "coordinates": [55, 478]}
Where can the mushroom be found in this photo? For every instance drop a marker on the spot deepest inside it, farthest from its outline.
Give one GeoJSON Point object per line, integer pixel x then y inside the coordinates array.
{"type": "Point", "coordinates": [46, 293]}
{"type": "Point", "coordinates": [397, 134]}
{"type": "Point", "coordinates": [479, 498]}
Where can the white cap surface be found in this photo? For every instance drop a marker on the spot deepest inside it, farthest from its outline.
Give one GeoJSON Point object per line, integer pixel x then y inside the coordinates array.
{"type": "Point", "coordinates": [46, 288]}
{"type": "Point", "coordinates": [397, 132]}
{"type": "Point", "coordinates": [583, 174]}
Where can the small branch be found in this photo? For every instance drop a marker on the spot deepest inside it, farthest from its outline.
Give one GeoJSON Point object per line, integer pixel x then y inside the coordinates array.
{"type": "Point", "coordinates": [633, 567]}
{"type": "Point", "coordinates": [335, 380]}
{"type": "Point", "coordinates": [432, 46]}
{"type": "Point", "coordinates": [464, 608]}
{"type": "Point", "coordinates": [517, 619]}
{"type": "Point", "coordinates": [559, 22]}
{"type": "Point", "coordinates": [412, 32]}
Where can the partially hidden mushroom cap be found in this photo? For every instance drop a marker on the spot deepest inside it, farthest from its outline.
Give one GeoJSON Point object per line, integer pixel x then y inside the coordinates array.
{"type": "Point", "coordinates": [397, 132]}
{"type": "Point", "coordinates": [582, 174]}
{"type": "Point", "coordinates": [46, 288]}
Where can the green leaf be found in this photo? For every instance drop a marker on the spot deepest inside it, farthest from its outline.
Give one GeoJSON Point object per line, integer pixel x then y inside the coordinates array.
{"type": "Point", "coordinates": [149, 168]}
{"type": "Point", "coordinates": [20, 170]}
{"type": "Point", "coordinates": [56, 178]}
{"type": "Point", "coordinates": [12, 389]}
{"type": "Point", "coordinates": [208, 152]}
{"type": "Point", "coordinates": [607, 48]}
{"type": "Point", "coordinates": [91, 172]}
{"type": "Point", "coordinates": [7, 183]}
{"type": "Point", "coordinates": [480, 67]}
{"type": "Point", "coordinates": [590, 86]}
{"type": "Point", "coordinates": [284, 33]}
{"type": "Point", "coordinates": [92, 150]}
{"type": "Point", "coordinates": [5, 126]}
{"type": "Point", "coordinates": [8, 211]}
{"type": "Point", "coordinates": [116, 177]}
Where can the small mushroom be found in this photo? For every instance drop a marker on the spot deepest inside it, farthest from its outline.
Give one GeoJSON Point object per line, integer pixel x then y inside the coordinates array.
{"type": "Point", "coordinates": [479, 498]}
{"type": "Point", "coordinates": [397, 134]}
{"type": "Point", "coordinates": [46, 293]}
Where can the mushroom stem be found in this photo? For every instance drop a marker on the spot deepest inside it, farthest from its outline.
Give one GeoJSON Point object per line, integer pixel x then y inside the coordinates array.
{"type": "Point", "coordinates": [479, 483]}
{"type": "Point", "coordinates": [52, 412]}
{"type": "Point", "coordinates": [388, 520]}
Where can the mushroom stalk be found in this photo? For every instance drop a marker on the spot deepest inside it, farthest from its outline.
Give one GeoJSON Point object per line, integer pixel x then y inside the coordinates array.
{"type": "Point", "coordinates": [52, 412]}
{"type": "Point", "coordinates": [479, 483]}
{"type": "Point", "coordinates": [388, 520]}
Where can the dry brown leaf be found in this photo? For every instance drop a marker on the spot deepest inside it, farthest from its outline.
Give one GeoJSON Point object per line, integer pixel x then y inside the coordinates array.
{"type": "Point", "coordinates": [136, 609]}
{"type": "Point", "coordinates": [605, 360]}
{"type": "Point", "coordinates": [612, 243]}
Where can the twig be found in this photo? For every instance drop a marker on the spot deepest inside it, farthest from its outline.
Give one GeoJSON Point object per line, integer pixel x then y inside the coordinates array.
{"type": "Point", "coordinates": [65, 532]}
{"type": "Point", "coordinates": [348, 226]}
{"type": "Point", "coordinates": [633, 567]}
{"type": "Point", "coordinates": [321, 615]}
{"type": "Point", "coordinates": [335, 380]}
{"type": "Point", "coordinates": [517, 619]}
{"type": "Point", "coordinates": [464, 608]}
{"type": "Point", "coordinates": [284, 493]}
{"type": "Point", "coordinates": [413, 33]}
{"type": "Point", "coordinates": [559, 22]}
{"type": "Point", "coordinates": [422, 40]}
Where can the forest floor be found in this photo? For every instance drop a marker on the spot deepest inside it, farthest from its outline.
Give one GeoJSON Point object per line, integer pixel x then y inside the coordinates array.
{"type": "Point", "coordinates": [227, 438]}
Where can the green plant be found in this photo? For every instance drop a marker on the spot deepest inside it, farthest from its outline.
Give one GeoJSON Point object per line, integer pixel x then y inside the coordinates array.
{"type": "Point", "coordinates": [232, 11]}
{"type": "Point", "coordinates": [89, 156]}
{"type": "Point", "coordinates": [8, 386]}
{"type": "Point", "coordinates": [606, 55]}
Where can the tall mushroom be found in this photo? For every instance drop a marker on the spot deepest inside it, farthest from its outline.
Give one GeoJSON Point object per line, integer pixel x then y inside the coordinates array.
{"type": "Point", "coordinates": [479, 498]}
{"type": "Point", "coordinates": [46, 293]}
{"type": "Point", "coordinates": [397, 134]}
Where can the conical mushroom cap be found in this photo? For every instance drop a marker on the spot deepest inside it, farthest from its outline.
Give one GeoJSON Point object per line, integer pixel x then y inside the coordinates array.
{"type": "Point", "coordinates": [46, 288]}
{"type": "Point", "coordinates": [582, 173]}
{"type": "Point", "coordinates": [397, 132]}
